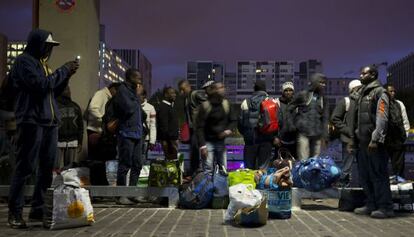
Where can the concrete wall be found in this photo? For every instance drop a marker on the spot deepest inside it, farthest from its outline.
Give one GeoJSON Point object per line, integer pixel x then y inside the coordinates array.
{"type": "Point", "coordinates": [78, 32]}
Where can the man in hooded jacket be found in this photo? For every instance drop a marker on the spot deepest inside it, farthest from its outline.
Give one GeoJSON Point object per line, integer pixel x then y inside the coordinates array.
{"type": "Point", "coordinates": [37, 117]}
{"type": "Point", "coordinates": [311, 120]}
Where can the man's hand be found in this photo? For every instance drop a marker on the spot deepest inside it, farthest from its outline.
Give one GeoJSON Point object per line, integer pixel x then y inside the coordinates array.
{"type": "Point", "coordinates": [204, 152]}
{"type": "Point", "coordinates": [72, 66]}
{"type": "Point", "coordinates": [372, 147]}
{"type": "Point", "coordinates": [350, 148]}
{"type": "Point", "coordinates": [277, 142]}
{"type": "Point", "coordinates": [225, 134]}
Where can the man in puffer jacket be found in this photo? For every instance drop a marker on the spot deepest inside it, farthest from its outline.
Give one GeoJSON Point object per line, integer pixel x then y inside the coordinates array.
{"type": "Point", "coordinates": [370, 123]}
{"type": "Point", "coordinates": [312, 117]}
{"type": "Point", "coordinates": [37, 117]}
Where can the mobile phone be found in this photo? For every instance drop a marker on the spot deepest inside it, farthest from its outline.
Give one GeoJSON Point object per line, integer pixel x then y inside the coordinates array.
{"type": "Point", "coordinates": [77, 59]}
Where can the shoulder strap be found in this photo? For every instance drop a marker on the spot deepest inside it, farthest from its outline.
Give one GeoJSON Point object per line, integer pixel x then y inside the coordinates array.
{"type": "Point", "coordinates": [226, 106]}
{"type": "Point", "coordinates": [347, 103]}
{"type": "Point", "coordinates": [206, 106]}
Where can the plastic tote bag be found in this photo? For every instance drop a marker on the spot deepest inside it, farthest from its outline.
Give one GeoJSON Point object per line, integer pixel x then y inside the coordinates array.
{"type": "Point", "coordinates": [242, 196]}
{"type": "Point", "coordinates": [242, 176]}
{"type": "Point", "coordinates": [71, 208]}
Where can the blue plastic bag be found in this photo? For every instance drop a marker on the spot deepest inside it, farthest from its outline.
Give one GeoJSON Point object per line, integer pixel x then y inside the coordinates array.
{"type": "Point", "coordinates": [221, 186]}
{"type": "Point", "coordinates": [318, 173]}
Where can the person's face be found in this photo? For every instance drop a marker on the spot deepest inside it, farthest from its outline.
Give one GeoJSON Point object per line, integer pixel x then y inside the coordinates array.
{"type": "Point", "coordinates": [220, 89]}
{"type": "Point", "coordinates": [185, 89]}
{"type": "Point", "coordinates": [365, 75]}
{"type": "Point", "coordinates": [139, 88]}
{"type": "Point", "coordinates": [288, 93]}
{"type": "Point", "coordinates": [171, 95]}
{"type": "Point", "coordinates": [136, 78]}
{"type": "Point", "coordinates": [48, 51]}
{"type": "Point", "coordinates": [391, 92]}
{"type": "Point", "coordinates": [321, 85]}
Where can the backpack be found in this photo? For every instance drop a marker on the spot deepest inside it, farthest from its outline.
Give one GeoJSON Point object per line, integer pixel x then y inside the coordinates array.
{"type": "Point", "coordinates": [198, 193]}
{"type": "Point", "coordinates": [109, 120]}
{"type": "Point", "coordinates": [268, 121]}
{"type": "Point", "coordinates": [396, 131]}
{"type": "Point", "coordinates": [207, 106]}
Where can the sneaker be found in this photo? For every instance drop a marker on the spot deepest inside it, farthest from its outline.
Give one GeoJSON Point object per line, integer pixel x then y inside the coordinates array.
{"type": "Point", "coordinates": [363, 210]}
{"type": "Point", "coordinates": [35, 215]}
{"type": "Point", "coordinates": [382, 214]}
{"type": "Point", "coordinates": [16, 221]}
{"type": "Point", "coordinates": [124, 201]}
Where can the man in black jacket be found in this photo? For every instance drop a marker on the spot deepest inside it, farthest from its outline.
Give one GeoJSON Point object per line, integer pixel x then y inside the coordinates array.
{"type": "Point", "coordinates": [127, 111]}
{"type": "Point", "coordinates": [193, 98]}
{"type": "Point", "coordinates": [37, 118]}
{"type": "Point", "coordinates": [215, 121]}
{"type": "Point", "coordinates": [70, 130]}
{"type": "Point", "coordinates": [370, 125]}
{"type": "Point", "coordinates": [287, 135]}
{"type": "Point", "coordinates": [312, 117]}
{"type": "Point", "coordinates": [341, 120]}
{"type": "Point", "coordinates": [167, 124]}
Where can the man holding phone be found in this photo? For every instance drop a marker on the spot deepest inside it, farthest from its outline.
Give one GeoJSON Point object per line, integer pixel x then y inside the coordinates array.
{"type": "Point", "coordinates": [37, 117]}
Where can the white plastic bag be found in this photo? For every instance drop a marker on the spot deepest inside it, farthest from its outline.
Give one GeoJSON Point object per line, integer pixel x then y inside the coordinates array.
{"type": "Point", "coordinates": [241, 196]}
{"type": "Point", "coordinates": [76, 177]}
{"type": "Point", "coordinates": [71, 208]}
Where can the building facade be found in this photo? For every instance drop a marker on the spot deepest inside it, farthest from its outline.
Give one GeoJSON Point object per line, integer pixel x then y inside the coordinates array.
{"type": "Point", "coordinates": [14, 49]}
{"type": "Point", "coordinates": [274, 73]}
{"type": "Point", "coordinates": [306, 70]}
{"type": "Point", "coordinates": [401, 73]}
{"type": "Point", "coordinates": [136, 59]}
{"type": "Point", "coordinates": [336, 89]}
{"type": "Point", "coordinates": [198, 72]}
{"type": "Point", "coordinates": [3, 57]}
{"type": "Point", "coordinates": [230, 82]}
{"type": "Point", "coordinates": [112, 67]}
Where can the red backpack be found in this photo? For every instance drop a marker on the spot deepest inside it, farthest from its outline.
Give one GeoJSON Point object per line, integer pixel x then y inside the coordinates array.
{"type": "Point", "coordinates": [268, 118]}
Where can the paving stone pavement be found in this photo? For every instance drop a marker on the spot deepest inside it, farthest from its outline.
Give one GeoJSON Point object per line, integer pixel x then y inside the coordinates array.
{"type": "Point", "coordinates": [115, 221]}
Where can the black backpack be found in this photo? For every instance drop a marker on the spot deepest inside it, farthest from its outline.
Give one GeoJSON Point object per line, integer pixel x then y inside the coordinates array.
{"type": "Point", "coordinates": [396, 132]}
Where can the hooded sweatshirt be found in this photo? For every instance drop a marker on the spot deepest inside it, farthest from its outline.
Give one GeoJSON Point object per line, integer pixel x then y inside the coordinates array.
{"type": "Point", "coordinates": [312, 115]}
{"type": "Point", "coordinates": [36, 87]}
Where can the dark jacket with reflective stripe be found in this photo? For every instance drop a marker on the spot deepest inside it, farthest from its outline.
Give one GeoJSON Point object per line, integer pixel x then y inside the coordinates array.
{"type": "Point", "coordinates": [372, 114]}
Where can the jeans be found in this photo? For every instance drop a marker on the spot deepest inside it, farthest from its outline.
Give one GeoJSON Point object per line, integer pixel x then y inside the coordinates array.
{"type": "Point", "coordinates": [130, 158]}
{"type": "Point", "coordinates": [373, 176]}
{"type": "Point", "coordinates": [216, 155]}
{"type": "Point", "coordinates": [308, 146]}
{"type": "Point", "coordinates": [35, 145]}
{"type": "Point", "coordinates": [257, 155]}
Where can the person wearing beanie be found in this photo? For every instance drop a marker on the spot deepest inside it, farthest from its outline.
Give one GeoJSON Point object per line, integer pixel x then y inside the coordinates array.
{"type": "Point", "coordinates": [258, 147]}
{"type": "Point", "coordinates": [311, 120]}
{"type": "Point", "coordinates": [341, 122]}
{"type": "Point", "coordinates": [287, 135]}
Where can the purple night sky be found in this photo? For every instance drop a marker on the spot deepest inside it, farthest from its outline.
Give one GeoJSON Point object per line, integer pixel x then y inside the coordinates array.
{"type": "Point", "coordinates": [343, 34]}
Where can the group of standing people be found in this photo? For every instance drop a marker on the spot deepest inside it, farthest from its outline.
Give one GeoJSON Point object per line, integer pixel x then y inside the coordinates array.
{"type": "Point", "coordinates": [122, 125]}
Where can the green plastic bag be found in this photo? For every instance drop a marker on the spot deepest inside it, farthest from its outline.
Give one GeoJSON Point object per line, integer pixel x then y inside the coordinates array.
{"type": "Point", "coordinates": [164, 173]}
{"type": "Point", "coordinates": [242, 176]}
